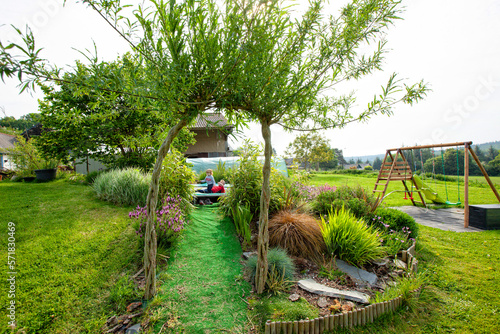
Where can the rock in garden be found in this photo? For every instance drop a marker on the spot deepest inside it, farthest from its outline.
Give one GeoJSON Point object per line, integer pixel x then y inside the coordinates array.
{"type": "Point", "coordinates": [320, 289]}
{"type": "Point", "coordinates": [360, 276]}
{"type": "Point", "coordinates": [247, 255]}
{"type": "Point", "coordinates": [134, 329]}
{"type": "Point", "coordinates": [294, 297]}
{"type": "Point", "coordinates": [383, 262]}
{"type": "Point", "coordinates": [322, 302]}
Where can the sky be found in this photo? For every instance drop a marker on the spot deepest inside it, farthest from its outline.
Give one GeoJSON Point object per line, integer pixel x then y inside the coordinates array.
{"type": "Point", "coordinates": [454, 46]}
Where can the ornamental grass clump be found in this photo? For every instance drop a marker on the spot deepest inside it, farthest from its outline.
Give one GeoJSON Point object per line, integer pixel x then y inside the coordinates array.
{"type": "Point", "coordinates": [298, 233]}
{"type": "Point", "coordinates": [281, 269]}
{"type": "Point", "coordinates": [169, 221]}
{"type": "Point", "coordinates": [350, 239]}
{"type": "Point", "coordinates": [122, 186]}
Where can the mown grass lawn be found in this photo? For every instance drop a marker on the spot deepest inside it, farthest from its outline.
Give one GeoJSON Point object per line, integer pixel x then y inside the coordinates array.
{"type": "Point", "coordinates": [70, 250]}
{"type": "Point", "coordinates": [73, 252]}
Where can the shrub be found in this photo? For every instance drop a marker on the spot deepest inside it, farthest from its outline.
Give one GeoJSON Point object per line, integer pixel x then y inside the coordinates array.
{"type": "Point", "coordinates": [168, 224]}
{"type": "Point", "coordinates": [355, 199]}
{"type": "Point", "coordinates": [278, 260]}
{"type": "Point", "coordinates": [396, 219]}
{"type": "Point", "coordinates": [309, 193]}
{"type": "Point", "coordinates": [395, 241]}
{"type": "Point", "coordinates": [350, 239]}
{"type": "Point", "coordinates": [298, 233]}
{"type": "Point", "coordinates": [175, 180]}
{"type": "Point", "coordinates": [246, 183]}
{"type": "Point", "coordinates": [123, 187]}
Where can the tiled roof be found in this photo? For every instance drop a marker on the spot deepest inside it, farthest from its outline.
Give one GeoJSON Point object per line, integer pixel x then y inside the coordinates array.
{"type": "Point", "coordinates": [207, 121]}
{"type": "Point", "coordinates": [7, 141]}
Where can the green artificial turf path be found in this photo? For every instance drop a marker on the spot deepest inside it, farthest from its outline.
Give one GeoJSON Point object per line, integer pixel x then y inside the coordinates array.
{"type": "Point", "coordinates": [205, 290]}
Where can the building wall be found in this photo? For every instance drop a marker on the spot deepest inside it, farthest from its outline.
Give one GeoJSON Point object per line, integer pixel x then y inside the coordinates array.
{"type": "Point", "coordinates": [208, 143]}
{"type": "Point", "coordinates": [5, 162]}
{"type": "Point", "coordinates": [93, 165]}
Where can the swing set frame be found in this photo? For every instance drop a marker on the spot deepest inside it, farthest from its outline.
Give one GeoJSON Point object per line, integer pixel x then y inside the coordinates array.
{"type": "Point", "coordinates": [395, 170]}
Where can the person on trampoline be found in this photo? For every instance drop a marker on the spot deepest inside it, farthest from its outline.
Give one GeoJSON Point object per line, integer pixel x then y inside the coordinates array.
{"type": "Point", "coordinates": [209, 179]}
{"type": "Point", "coordinates": [219, 188]}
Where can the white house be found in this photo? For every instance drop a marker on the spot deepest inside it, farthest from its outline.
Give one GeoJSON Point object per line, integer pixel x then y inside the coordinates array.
{"type": "Point", "coordinates": [6, 142]}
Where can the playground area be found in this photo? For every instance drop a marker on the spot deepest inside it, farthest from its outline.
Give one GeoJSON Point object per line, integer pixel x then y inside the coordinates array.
{"type": "Point", "coordinates": [401, 164]}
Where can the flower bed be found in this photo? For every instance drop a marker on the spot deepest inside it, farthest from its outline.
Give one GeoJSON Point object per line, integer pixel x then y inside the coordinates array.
{"type": "Point", "coordinates": [356, 317]}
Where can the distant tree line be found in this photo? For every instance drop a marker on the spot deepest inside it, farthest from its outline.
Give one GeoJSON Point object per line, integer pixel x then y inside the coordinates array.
{"type": "Point", "coordinates": [11, 125]}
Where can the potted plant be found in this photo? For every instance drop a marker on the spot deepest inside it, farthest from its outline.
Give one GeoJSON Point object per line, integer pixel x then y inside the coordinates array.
{"type": "Point", "coordinates": [29, 162]}
{"type": "Point", "coordinates": [47, 171]}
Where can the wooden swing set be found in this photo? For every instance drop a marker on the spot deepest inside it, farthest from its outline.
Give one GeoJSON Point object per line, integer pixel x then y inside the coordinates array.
{"type": "Point", "coordinates": [395, 167]}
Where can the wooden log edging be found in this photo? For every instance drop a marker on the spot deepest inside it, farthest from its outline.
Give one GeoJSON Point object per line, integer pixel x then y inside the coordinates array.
{"type": "Point", "coordinates": [358, 317]}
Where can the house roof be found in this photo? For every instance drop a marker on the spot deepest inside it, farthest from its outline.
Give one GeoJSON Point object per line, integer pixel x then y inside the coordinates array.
{"type": "Point", "coordinates": [6, 141]}
{"type": "Point", "coordinates": [210, 121]}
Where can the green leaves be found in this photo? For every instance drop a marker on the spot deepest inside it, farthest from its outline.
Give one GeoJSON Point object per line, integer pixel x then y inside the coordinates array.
{"type": "Point", "coordinates": [349, 238]}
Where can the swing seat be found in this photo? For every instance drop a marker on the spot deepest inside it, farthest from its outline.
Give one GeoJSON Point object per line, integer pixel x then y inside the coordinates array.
{"type": "Point", "coordinates": [450, 203]}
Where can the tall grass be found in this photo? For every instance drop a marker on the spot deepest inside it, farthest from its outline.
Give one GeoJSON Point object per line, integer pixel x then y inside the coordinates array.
{"type": "Point", "coordinates": [242, 217]}
{"type": "Point", "coordinates": [298, 233]}
{"type": "Point", "coordinates": [124, 187]}
{"type": "Point", "coordinates": [278, 261]}
{"type": "Point", "coordinates": [350, 239]}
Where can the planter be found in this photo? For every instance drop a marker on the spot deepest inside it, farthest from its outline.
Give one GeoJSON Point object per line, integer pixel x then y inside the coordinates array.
{"type": "Point", "coordinates": [45, 174]}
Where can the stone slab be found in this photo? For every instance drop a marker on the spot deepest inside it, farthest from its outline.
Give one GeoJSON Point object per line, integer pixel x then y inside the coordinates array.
{"type": "Point", "coordinates": [323, 290]}
{"type": "Point", "coordinates": [443, 219]}
{"type": "Point", "coordinates": [360, 276]}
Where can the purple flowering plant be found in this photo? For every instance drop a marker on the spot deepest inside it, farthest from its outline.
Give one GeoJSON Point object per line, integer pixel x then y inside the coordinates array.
{"type": "Point", "coordinates": [393, 241]}
{"type": "Point", "coordinates": [169, 220]}
{"type": "Point", "coordinates": [309, 193]}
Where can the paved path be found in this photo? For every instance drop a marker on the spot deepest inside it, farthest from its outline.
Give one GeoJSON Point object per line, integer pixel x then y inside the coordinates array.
{"type": "Point", "coordinates": [443, 219]}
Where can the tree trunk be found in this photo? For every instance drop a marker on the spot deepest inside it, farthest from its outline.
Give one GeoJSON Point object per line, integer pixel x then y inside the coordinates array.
{"type": "Point", "coordinates": [263, 241]}
{"type": "Point", "coordinates": [150, 235]}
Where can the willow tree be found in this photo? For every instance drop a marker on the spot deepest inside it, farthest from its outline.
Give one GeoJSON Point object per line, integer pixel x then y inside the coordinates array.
{"type": "Point", "coordinates": [188, 50]}
{"type": "Point", "coordinates": [296, 67]}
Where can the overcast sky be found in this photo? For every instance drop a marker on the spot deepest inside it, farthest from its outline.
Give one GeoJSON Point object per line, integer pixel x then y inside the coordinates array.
{"type": "Point", "coordinates": [452, 45]}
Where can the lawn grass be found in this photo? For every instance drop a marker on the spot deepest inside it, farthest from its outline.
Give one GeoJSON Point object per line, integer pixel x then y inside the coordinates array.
{"type": "Point", "coordinates": [74, 251]}
{"type": "Point", "coordinates": [70, 251]}
{"type": "Point", "coordinates": [204, 290]}
{"type": "Point", "coordinates": [462, 291]}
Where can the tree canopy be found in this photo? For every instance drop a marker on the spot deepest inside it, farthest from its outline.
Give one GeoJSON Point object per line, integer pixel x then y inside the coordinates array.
{"type": "Point", "coordinates": [311, 148]}
{"type": "Point", "coordinates": [111, 127]}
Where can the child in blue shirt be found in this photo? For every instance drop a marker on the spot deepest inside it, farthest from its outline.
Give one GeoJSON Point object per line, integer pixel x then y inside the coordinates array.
{"type": "Point", "coordinates": [209, 179]}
